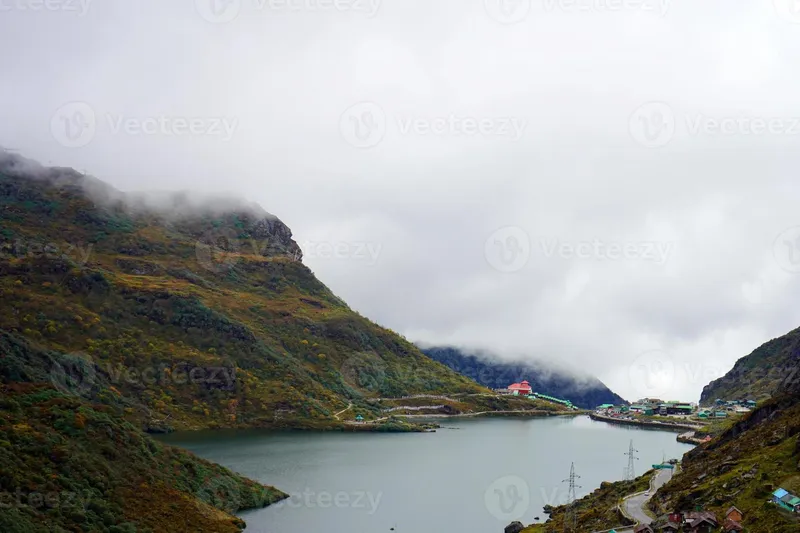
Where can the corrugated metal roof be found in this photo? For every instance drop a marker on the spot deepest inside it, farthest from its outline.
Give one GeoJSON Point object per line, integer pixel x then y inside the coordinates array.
{"type": "Point", "coordinates": [780, 493]}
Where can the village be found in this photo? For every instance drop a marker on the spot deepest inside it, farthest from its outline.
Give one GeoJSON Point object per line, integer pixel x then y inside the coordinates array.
{"type": "Point", "coordinates": [654, 411]}
{"type": "Point", "coordinates": [685, 411]}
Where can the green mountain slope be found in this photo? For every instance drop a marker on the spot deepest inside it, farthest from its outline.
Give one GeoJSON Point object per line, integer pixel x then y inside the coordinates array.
{"type": "Point", "coordinates": [197, 315]}
{"type": "Point", "coordinates": [67, 464]}
{"type": "Point", "coordinates": [760, 374]}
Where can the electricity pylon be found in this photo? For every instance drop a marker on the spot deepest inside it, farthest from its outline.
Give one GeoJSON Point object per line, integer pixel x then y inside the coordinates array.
{"type": "Point", "coordinates": [630, 472]}
{"type": "Point", "coordinates": [571, 515]}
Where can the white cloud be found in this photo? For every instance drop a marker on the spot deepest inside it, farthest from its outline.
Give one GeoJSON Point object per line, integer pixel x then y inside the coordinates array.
{"type": "Point", "coordinates": [428, 203]}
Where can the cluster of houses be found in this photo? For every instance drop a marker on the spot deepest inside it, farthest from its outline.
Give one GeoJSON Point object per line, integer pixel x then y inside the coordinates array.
{"type": "Point", "coordinates": [696, 522]}
{"type": "Point", "coordinates": [654, 406]}
{"type": "Point", "coordinates": [524, 389]}
{"type": "Point", "coordinates": [786, 500]}
{"type": "Point", "coordinates": [650, 407]}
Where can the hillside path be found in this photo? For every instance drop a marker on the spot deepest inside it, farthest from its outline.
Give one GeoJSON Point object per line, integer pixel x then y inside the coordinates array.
{"type": "Point", "coordinates": [634, 505]}
{"type": "Point", "coordinates": [350, 406]}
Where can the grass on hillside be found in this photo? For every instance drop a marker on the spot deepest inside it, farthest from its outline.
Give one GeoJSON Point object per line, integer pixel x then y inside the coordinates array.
{"type": "Point", "coordinates": [76, 466]}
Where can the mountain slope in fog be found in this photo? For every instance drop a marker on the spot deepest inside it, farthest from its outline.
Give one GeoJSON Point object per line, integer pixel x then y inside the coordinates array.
{"type": "Point", "coordinates": [493, 372]}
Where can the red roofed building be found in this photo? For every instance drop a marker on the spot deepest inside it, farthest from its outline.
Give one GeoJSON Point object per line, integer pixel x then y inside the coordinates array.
{"type": "Point", "coordinates": [520, 389]}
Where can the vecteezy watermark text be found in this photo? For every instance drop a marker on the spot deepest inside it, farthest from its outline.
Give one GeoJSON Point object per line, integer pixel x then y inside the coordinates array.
{"type": "Point", "coordinates": [659, 6]}
{"type": "Point", "coordinates": [221, 377]}
{"type": "Point", "coordinates": [358, 251]}
{"type": "Point", "coordinates": [364, 125]}
{"type": "Point", "coordinates": [75, 125]}
{"type": "Point", "coordinates": [658, 252]}
{"type": "Point", "coordinates": [79, 7]}
{"type": "Point", "coordinates": [224, 11]}
{"type": "Point", "coordinates": [454, 125]}
{"type": "Point", "coordinates": [656, 124]}
{"type": "Point", "coordinates": [78, 374]}
{"type": "Point", "coordinates": [45, 500]}
{"type": "Point", "coordinates": [18, 248]}
{"type": "Point", "coordinates": [368, 501]}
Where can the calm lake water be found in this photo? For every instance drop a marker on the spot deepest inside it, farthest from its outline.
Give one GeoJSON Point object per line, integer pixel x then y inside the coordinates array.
{"type": "Point", "coordinates": [473, 475]}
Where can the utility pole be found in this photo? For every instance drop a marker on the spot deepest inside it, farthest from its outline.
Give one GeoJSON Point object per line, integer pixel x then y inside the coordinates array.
{"type": "Point", "coordinates": [571, 515]}
{"type": "Point", "coordinates": [630, 472]}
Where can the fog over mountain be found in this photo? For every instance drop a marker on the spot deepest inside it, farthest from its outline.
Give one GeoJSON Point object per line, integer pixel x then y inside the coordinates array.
{"type": "Point", "coordinates": [609, 184]}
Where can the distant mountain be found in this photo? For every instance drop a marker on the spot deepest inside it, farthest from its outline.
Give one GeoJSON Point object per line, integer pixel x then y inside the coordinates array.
{"type": "Point", "coordinates": [587, 392]}
{"type": "Point", "coordinates": [761, 374]}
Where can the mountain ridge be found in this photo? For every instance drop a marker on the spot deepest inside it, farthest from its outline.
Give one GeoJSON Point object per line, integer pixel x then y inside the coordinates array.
{"type": "Point", "coordinates": [490, 371]}
{"type": "Point", "coordinates": [761, 374]}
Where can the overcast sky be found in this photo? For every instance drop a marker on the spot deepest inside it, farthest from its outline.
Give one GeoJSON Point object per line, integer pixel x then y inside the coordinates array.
{"type": "Point", "coordinates": [612, 184]}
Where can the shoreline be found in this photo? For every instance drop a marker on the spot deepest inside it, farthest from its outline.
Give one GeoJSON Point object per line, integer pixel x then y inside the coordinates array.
{"type": "Point", "coordinates": [533, 413]}
{"type": "Point", "coordinates": [681, 427]}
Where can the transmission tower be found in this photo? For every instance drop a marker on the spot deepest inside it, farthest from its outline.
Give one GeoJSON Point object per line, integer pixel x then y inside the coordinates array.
{"type": "Point", "coordinates": [630, 472]}
{"type": "Point", "coordinates": [571, 515]}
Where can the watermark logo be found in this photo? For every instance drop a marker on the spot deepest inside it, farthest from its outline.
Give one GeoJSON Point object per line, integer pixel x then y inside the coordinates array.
{"type": "Point", "coordinates": [508, 249]}
{"type": "Point", "coordinates": [213, 377]}
{"type": "Point", "coordinates": [652, 374]}
{"type": "Point", "coordinates": [74, 374]}
{"type": "Point", "coordinates": [363, 125]}
{"type": "Point", "coordinates": [74, 124]}
{"type": "Point", "coordinates": [788, 10]}
{"type": "Point", "coordinates": [657, 252]}
{"type": "Point", "coordinates": [218, 11]}
{"type": "Point", "coordinates": [218, 250]}
{"type": "Point", "coordinates": [655, 124]}
{"type": "Point", "coordinates": [652, 124]}
{"type": "Point", "coordinates": [508, 498]}
{"type": "Point", "coordinates": [79, 7]}
{"type": "Point", "coordinates": [508, 11]}
{"type": "Point", "coordinates": [786, 250]}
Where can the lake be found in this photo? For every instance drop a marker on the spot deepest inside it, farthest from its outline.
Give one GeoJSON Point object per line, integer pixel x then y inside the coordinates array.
{"type": "Point", "coordinates": [472, 475]}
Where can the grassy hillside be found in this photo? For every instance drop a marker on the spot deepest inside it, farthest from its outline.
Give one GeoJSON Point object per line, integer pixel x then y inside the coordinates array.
{"type": "Point", "coordinates": [587, 392]}
{"type": "Point", "coordinates": [70, 465]}
{"type": "Point", "coordinates": [760, 374]}
{"type": "Point", "coordinates": [197, 316]}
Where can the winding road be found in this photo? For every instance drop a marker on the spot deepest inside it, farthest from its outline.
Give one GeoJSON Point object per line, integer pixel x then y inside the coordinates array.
{"type": "Point", "coordinates": [634, 505]}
